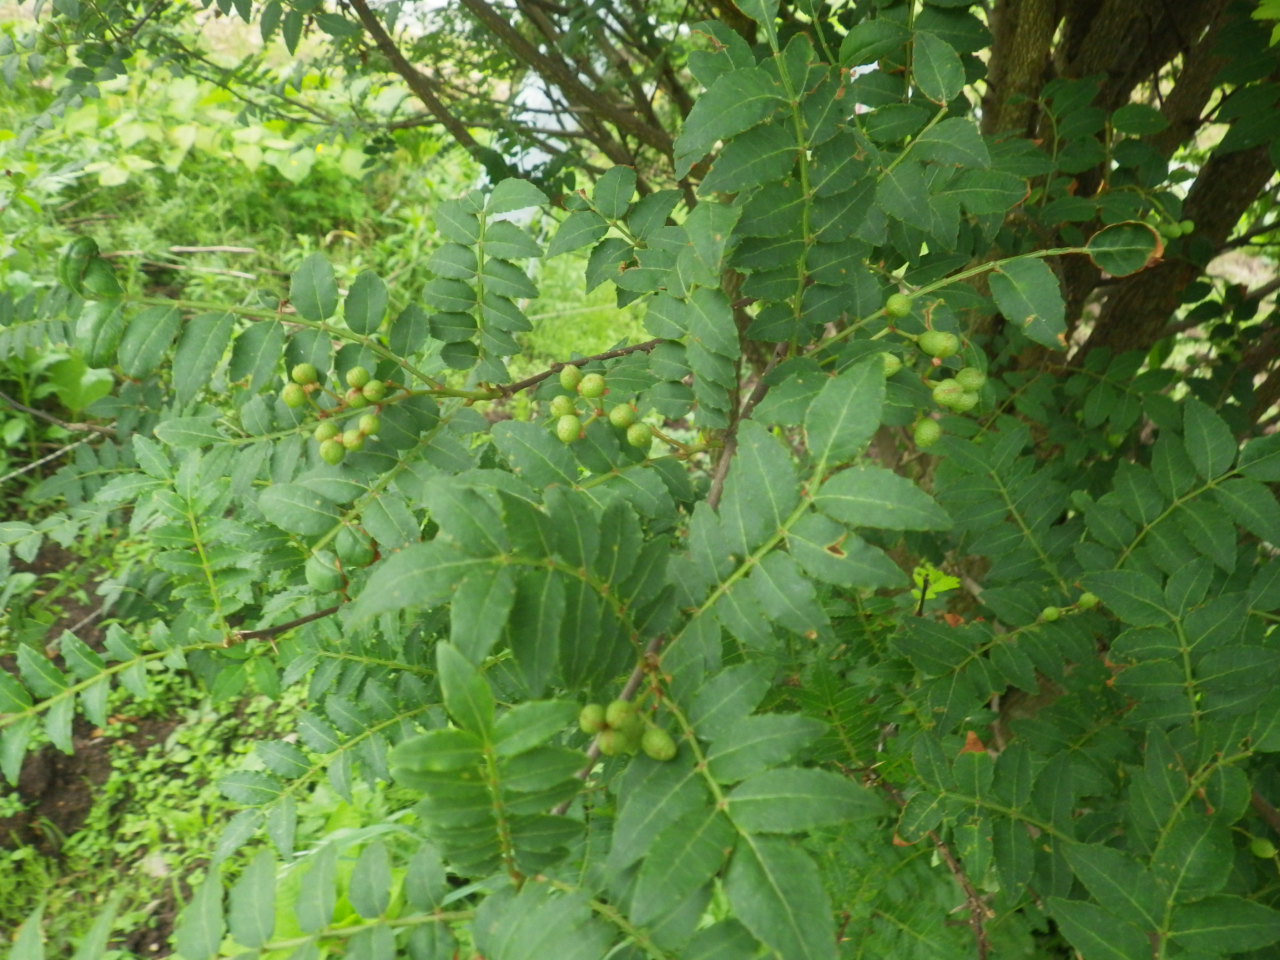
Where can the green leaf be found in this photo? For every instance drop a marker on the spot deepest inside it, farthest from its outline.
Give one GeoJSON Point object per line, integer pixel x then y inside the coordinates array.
{"type": "Point", "coordinates": [845, 414]}
{"type": "Point", "coordinates": [370, 889]}
{"type": "Point", "coordinates": [317, 896]}
{"type": "Point", "coordinates": [1098, 934]}
{"type": "Point", "coordinates": [1028, 294]}
{"type": "Point", "coordinates": [514, 194]}
{"type": "Point", "coordinates": [1124, 248]}
{"type": "Point", "coordinates": [298, 509]}
{"type": "Point", "coordinates": [1208, 439]}
{"type": "Point", "coordinates": [366, 303]}
{"type": "Point", "coordinates": [252, 904]}
{"type": "Point", "coordinates": [421, 575]}
{"type": "Point", "coordinates": [652, 795]}
{"type": "Point", "coordinates": [147, 339]}
{"type": "Point", "coordinates": [13, 695]}
{"type": "Point", "coordinates": [256, 354]}
{"type": "Point", "coordinates": [793, 800]}
{"type": "Point", "coordinates": [581, 228]}
{"type": "Point", "coordinates": [613, 192]}
{"type": "Point", "coordinates": [870, 40]}
{"type": "Point", "coordinates": [93, 944]}
{"type": "Point", "coordinates": [467, 696]}
{"type": "Point", "coordinates": [1225, 925]}
{"type": "Point", "coordinates": [1139, 120]}
{"type": "Point", "coordinates": [984, 192]}
{"type": "Point", "coordinates": [875, 497]}
{"type": "Point", "coordinates": [938, 72]}
{"type": "Point", "coordinates": [200, 926]}
{"type": "Point", "coordinates": [1115, 878]}
{"type": "Point", "coordinates": [735, 101]}
{"type": "Point", "coordinates": [955, 142]}
{"type": "Point", "coordinates": [1260, 458]}
{"type": "Point", "coordinates": [29, 943]}
{"type": "Point", "coordinates": [693, 848]}
{"type": "Point", "coordinates": [188, 432]}
{"type": "Point", "coordinates": [531, 724]}
{"type": "Point", "coordinates": [200, 348]}
{"type": "Point", "coordinates": [760, 491]}
{"type": "Point", "coordinates": [1132, 596]}
{"type": "Point", "coordinates": [313, 289]}
{"type": "Point", "coordinates": [1251, 505]}
{"type": "Point", "coordinates": [251, 787]}
{"type": "Point", "coordinates": [761, 155]}
{"type": "Point", "coordinates": [756, 743]}
{"type": "Point", "coordinates": [726, 698]}
{"type": "Point", "coordinates": [775, 890]}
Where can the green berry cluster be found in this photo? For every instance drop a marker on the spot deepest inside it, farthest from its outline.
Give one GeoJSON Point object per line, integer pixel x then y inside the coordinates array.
{"type": "Point", "coordinates": [592, 386]}
{"type": "Point", "coordinates": [1172, 229]}
{"type": "Point", "coordinates": [362, 391]}
{"type": "Point", "coordinates": [619, 728]}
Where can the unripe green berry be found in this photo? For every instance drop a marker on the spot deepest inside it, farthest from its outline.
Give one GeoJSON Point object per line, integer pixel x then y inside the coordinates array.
{"type": "Point", "coordinates": [570, 377]}
{"type": "Point", "coordinates": [562, 405]}
{"type": "Point", "coordinates": [964, 402]}
{"type": "Point", "coordinates": [898, 305]}
{"type": "Point", "coordinates": [1262, 847]}
{"type": "Point", "coordinates": [1088, 601]}
{"type": "Point", "coordinates": [592, 386]}
{"type": "Point", "coordinates": [370, 423]}
{"type": "Point", "coordinates": [640, 435]}
{"type": "Point", "coordinates": [892, 364]}
{"type": "Point", "coordinates": [622, 416]}
{"type": "Point", "coordinates": [357, 377]}
{"type": "Point", "coordinates": [322, 572]}
{"type": "Point", "coordinates": [356, 399]}
{"type": "Point", "coordinates": [326, 430]}
{"type": "Point", "coordinates": [591, 719]}
{"type": "Point", "coordinates": [305, 373]}
{"type": "Point", "coordinates": [293, 395]}
{"type": "Point", "coordinates": [938, 343]}
{"type": "Point", "coordinates": [620, 713]}
{"type": "Point", "coordinates": [613, 743]}
{"type": "Point", "coordinates": [927, 432]}
{"type": "Point", "coordinates": [374, 390]}
{"type": "Point", "coordinates": [568, 428]}
{"type": "Point", "coordinates": [1050, 614]}
{"type": "Point", "coordinates": [1169, 230]}
{"type": "Point", "coordinates": [946, 391]}
{"type": "Point", "coordinates": [971, 378]}
{"type": "Point", "coordinates": [657, 744]}
{"type": "Point", "coordinates": [355, 548]}
{"type": "Point", "coordinates": [353, 440]}
{"type": "Point", "coordinates": [332, 451]}
{"type": "Point", "coordinates": [1187, 226]}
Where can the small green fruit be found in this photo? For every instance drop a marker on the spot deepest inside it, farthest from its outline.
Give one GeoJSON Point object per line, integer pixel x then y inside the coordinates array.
{"type": "Point", "coordinates": [613, 743]}
{"type": "Point", "coordinates": [1262, 847]}
{"type": "Point", "coordinates": [1169, 230]}
{"type": "Point", "coordinates": [355, 549]}
{"type": "Point", "coordinates": [972, 379]}
{"type": "Point", "coordinates": [1088, 601]}
{"type": "Point", "coordinates": [640, 435]}
{"type": "Point", "coordinates": [332, 451]}
{"type": "Point", "coordinates": [657, 744]}
{"type": "Point", "coordinates": [592, 386]}
{"type": "Point", "coordinates": [322, 572]}
{"type": "Point", "coordinates": [293, 395]}
{"type": "Point", "coordinates": [305, 373]}
{"type": "Point", "coordinates": [927, 432]}
{"type": "Point", "coordinates": [1050, 614]}
{"type": "Point", "coordinates": [622, 416]}
{"type": "Point", "coordinates": [326, 430]}
{"type": "Point", "coordinates": [570, 377]}
{"type": "Point", "coordinates": [562, 405]}
{"type": "Point", "coordinates": [938, 343]}
{"type": "Point", "coordinates": [898, 305]}
{"type": "Point", "coordinates": [370, 424]}
{"type": "Point", "coordinates": [892, 364]}
{"type": "Point", "coordinates": [620, 713]}
{"type": "Point", "coordinates": [357, 377]}
{"type": "Point", "coordinates": [374, 391]}
{"type": "Point", "coordinates": [356, 399]}
{"type": "Point", "coordinates": [946, 391]}
{"type": "Point", "coordinates": [353, 440]}
{"type": "Point", "coordinates": [568, 428]}
{"type": "Point", "coordinates": [965, 402]}
{"type": "Point", "coordinates": [1187, 227]}
{"type": "Point", "coordinates": [591, 719]}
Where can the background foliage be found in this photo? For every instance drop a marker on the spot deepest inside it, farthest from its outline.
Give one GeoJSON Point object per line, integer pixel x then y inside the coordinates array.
{"type": "Point", "coordinates": [1007, 692]}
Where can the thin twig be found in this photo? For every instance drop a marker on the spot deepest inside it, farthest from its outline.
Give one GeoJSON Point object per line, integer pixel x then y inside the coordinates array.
{"type": "Point", "coordinates": [731, 441]}
{"type": "Point", "coordinates": [76, 427]}
{"type": "Point", "coordinates": [1269, 813]}
{"type": "Point", "coordinates": [35, 463]}
{"type": "Point", "coordinates": [217, 249]}
{"type": "Point", "coordinates": [511, 388]}
{"type": "Point", "coordinates": [240, 636]}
